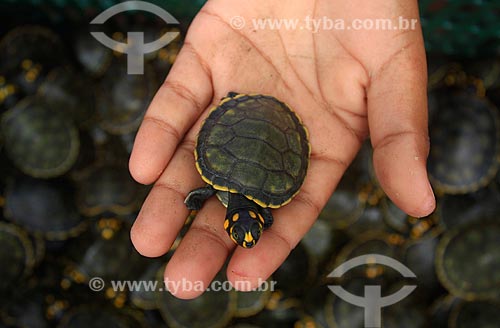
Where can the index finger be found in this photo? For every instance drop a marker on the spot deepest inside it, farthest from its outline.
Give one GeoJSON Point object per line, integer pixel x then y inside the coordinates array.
{"type": "Point", "coordinates": [181, 99]}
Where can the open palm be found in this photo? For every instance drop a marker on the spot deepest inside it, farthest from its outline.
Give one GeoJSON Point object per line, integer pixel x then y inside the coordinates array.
{"type": "Point", "coordinates": [344, 84]}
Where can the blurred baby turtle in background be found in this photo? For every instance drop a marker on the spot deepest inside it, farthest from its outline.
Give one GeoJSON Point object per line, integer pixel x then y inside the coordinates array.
{"type": "Point", "coordinates": [68, 118]}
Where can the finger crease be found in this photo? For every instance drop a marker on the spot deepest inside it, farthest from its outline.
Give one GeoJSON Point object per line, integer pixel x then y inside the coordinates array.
{"type": "Point", "coordinates": [187, 146]}
{"type": "Point", "coordinates": [389, 60]}
{"type": "Point", "coordinates": [307, 200]}
{"type": "Point", "coordinates": [185, 93]}
{"type": "Point", "coordinates": [164, 126]}
{"type": "Point", "coordinates": [280, 237]}
{"type": "Point", "coordinates": [358, 135]}
{"type": "Point", "coordinates": [169, 187]}
{"type": "Point", "coordinates": [392, 137]}
{"type": "Point", "coordinates": [333, 160]}
{"type": "Point", "coordinates": [355, 58]}
{"type": "Point", "coordinates": [210, 234]}
{"type": "Point", "coordinates": [351, 113]}
{"type": "Point", "coordinates": [204, 65]}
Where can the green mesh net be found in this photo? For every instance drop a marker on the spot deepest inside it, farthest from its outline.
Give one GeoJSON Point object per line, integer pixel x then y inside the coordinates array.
{"type": "Point", "coordinates": [461, 27]}
{"type": "Point", "coordinates": [452, 27]}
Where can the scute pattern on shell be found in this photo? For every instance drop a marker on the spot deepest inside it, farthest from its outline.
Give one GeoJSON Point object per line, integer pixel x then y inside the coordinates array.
{"type": "Point", "coordinates": [254, 145]}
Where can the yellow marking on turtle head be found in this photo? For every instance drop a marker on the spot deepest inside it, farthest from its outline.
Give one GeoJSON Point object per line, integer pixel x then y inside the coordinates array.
{"type": "Point", "coordinates": [252, 214]}
{"type": "Point", "coordinates": [231, 234]}
{"type": "Point", "coordinates": [226, 224]}
{"type": "Point", "coordinates": [261, 219]}
{"type": "Point", "coordinates": [235, 217]}
{"type": "Point", "coordinates": [248, 237]}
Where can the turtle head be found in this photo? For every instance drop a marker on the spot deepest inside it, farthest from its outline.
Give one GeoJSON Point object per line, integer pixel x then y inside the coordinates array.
{"type": "Point", "coordinates": [244, 227]}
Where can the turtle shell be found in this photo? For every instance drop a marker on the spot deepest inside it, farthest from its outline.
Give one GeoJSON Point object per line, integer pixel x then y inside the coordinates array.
{"type": "Point", "coordinates": [439, 310]}
{"type": "Point", "coordinates": [122, 98]}
{"type": "Point", "coordinates": [482, 314]}
{"type": "Point", "coordinates": [50, 211]}
{"type": "Point", "coordinates": [394, 216]}
{"type": "Point", "coordinates": [406, 225]}
{"type": "Point", "coordinates": [419, 257]}
{"type": "Point", "coordinates": [321, 239]}
{"type": "Point", "coordinates": [254, 145]}
{"type": "Point", "coordinates": [91, 54]}
{"type": "Point", "coordinates": [371, 220]}
{"type": "Point", "coordinates": [464, 133]}
{"type": "Point", "coordinates": [455, 210]}
{"type": "Point", "coordinates": [40, 141]}
{"type": "Point", "coordinates": [344, 207]}
{"type": "Point", "coordinates": [68, 91]}
{"type": "Point", "coordinates": [485, 69]}
{"type": "Point", "coordinates": [341, 314]}
{"type": "Point", "coordinates": [468, 260]}
{"type": "Point", "coordinates": [370, 242]}
{"type": "Point", "coordinates": [101, 317]}
{"type": "Point", "coordinates": [33, 42]}
{"type": "Point", "coordinates": [28, 53]}
{"type": "Point", "coordinates": [297, 272]}
{"type": "Point", "coordinates": [409, 312]}
{"type": "Point", "coordinates": [251, 303]}
{"type": "Point", "coordinates": [438, 69]}
{"type": "Point", "coordinates": [106, 189]}
{"type": "Point", "coordinates": [16, 255]}
{"type": "Point", "coordinates": [10, 94]}
{"type": "Point", "coordinates": [280, 311]}
{"type": "Point", "coordinates": [212, 309]}
{"type": "Point", "coordinates": [102, 252]}
{"type": "Point", "coordinates": [143, 297]}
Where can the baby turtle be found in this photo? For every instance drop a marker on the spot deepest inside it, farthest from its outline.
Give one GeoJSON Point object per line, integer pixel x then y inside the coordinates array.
{"type": "Point", "coordinates": [296, 273]}
{"type": "Point", "coordinates": [122, 98]}
{"type": "Point", "coordinates": [251, 303]}
{"type": "Point", "coordinates": [94, 57]}
{"type": "Point", "coordinates": [39, 140]}
{"type": "Point", "coordinates": [474, 314]}
{"type": "Point", "coordinates": [101, 315]}
{"type": "Point", "coordinates": [108, 189]}
{"type": "Point", "coordinates": [468, 259]}
{"type": "Point", "coordinates": [28, 53]}
{"type": "Point", "coordinates": [16, 255]}
{"type": "Point", "coordinates": [212, 309]}
{"type": "Point", "coordinates": [464, 132]}
{"type": "Point", "coordinates": [51, 211]}
{"type": "Point", "coordinates": [68, 92]}
{"type": "Point", "coordinates": [253, 152]}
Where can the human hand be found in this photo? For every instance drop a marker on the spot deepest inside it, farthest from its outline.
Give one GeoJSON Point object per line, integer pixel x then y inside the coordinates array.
{"type": "Point", "coordinates": [344, 84]}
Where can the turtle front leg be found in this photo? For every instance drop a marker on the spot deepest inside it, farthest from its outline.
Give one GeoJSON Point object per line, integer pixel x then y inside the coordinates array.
{"type": "Point", "coordinates": [195, 199]}
{"type": "Point", "coordinates": [268, 217]}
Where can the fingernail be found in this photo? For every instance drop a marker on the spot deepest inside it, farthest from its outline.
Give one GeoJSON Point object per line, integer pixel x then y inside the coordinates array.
{"type": "Point", "coordinates": [430, 204]}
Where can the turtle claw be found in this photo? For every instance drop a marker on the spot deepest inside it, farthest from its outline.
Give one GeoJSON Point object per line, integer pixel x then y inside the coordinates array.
{"type": "Point", "coordinates": [195, 199]}
{"type": "Point", "coordinates": [231, 94]}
